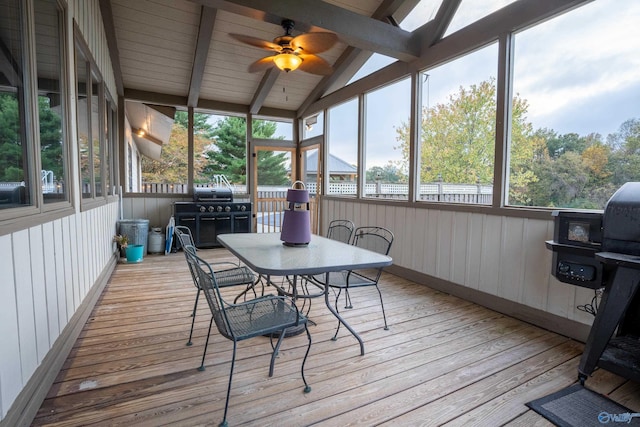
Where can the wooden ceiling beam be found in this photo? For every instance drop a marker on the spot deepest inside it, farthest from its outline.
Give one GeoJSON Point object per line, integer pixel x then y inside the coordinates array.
{"type": "Point", "coordinates": [352, 28]}
{"type": "Point", "coordinates": [203, 41]}
{"type": "Point", "coordinates": [352, 59]}
{"type": "Point", "coordinates": [266, 84]}
{"type": "Point", "coordinates": [433, 30]}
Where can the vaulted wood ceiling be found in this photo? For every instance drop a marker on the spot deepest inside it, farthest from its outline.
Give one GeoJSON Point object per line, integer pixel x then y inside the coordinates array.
{"type": "Point", "coordinates": [183, 48]}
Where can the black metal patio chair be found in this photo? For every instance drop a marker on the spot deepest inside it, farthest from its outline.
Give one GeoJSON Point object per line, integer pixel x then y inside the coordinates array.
{"type": "Point", "coordinates": [227, 273]}
{"type": "Point", "coordinates": [376, 239]}
{"type": "Point", "coordinates": [340, 230]}
{"type": "Point", "coordinates": [268, 315]}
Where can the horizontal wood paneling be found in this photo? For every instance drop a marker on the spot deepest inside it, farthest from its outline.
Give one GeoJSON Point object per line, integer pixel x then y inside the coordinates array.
{"type": "Point", "coordinates": [498, 255]}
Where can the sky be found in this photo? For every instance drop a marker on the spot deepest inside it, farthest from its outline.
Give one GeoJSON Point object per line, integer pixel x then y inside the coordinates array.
{"type": "Point", "coordinates": [580, 73]}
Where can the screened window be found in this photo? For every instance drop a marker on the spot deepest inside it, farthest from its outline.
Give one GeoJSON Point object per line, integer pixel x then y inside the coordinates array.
{"type": "Point", "coordinates": [576, 124]}
{"type": "Point", "coordinates": [457, 130]}
{"type": "Point", "coordinates": [386, 170]}
{"type": "Point", "coordinates": [342, 140]}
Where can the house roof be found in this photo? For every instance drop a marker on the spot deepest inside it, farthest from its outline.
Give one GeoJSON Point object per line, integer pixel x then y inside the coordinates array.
{"type": "Point", "coordinates": [336, 165]}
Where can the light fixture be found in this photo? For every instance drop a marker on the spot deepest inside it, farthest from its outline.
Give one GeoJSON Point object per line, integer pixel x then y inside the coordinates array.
{"type": "Point", "coordinates": [310, 121]}
{"type": "Point", "coordinates": [287, 61]}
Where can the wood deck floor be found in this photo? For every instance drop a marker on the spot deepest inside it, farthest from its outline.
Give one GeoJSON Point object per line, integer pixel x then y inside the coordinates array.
{"type": "Point", "coordinates": [443, 361]}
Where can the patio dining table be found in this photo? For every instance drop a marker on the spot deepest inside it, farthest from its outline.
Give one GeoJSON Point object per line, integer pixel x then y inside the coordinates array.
{"type": "Point", "coordinates": [266, 254]}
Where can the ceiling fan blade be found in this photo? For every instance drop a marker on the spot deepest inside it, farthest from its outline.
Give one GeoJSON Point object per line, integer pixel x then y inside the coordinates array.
{"type": "Point", "coordinates": [315, 65]}
{"type": "Point", "coordinates": [262, 64]}
{"type": "Point", "coordinates": [312, 43]}
{"type": "Point", "coordinates": [254, 41]}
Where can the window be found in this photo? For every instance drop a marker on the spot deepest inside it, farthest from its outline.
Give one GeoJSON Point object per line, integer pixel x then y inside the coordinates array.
{"type": "Point", "coordinates": [96, 144]}
{"type": "Point", "coordinates": [16, 179]}
{"type": "Point", "coordinates": [576, 124]}
{"type": "Point", "coordinates": [49, 18]}
{"type": "Point", "coordinates": [386, 111]}
{"type": "Point", "coordinates": [25, 178]}
{"type": "Point", "coordinates": [283, 129]}
{"type": "Point", "coordinates": [221, 151]}
{"type": "Point", "coordinates": [471, 11]}
{"type": "Point", "coordinates": [342, 140]}
{"type": "Point", "coordinates": [457, 130]}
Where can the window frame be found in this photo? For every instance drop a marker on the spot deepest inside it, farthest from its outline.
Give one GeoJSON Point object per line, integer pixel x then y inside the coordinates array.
{"type": "Point", "coordinates": [104, 99]}
{"type": "Point", "coordinates": [30, 214]}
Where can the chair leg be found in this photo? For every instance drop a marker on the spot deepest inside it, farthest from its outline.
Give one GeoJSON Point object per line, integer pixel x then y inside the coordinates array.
{"type": "Point", "coordinates": [335, 336]}
{"type": "Point", "coordinates": [226, 403]}
{"type": "Point", "coordinates": [307, 388]}
{"type": "Point", "coordinates": [384, 316]}
{"type": "Point", "coordinates": [347, 299]}
{"type": "Point", "coordinates": [275, 351]}
{"type": "Point", "coordinates": [193, 316]}
{"type": "Point", "coordinates": [206, 344]}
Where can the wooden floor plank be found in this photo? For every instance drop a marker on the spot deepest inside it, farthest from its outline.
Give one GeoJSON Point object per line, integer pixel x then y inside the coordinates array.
{"type": "Point", "coordinates": [443, 361]}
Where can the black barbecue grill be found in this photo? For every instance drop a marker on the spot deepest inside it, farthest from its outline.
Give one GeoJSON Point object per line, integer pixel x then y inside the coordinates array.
{"type": "Point", "coordinates": [213, 212]}
{"type": "Point", "coordinates": [602, 250]}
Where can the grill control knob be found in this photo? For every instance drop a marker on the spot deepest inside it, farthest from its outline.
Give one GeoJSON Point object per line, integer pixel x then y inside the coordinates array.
{"type": "Point", "coordinates": [219, 208]}
{"type": "Point", "coordinates": [227, 208]}
{"type": "Point", "coordinates": [202, 209]}
{"type": "Point", "coordinates": [210, 208]}
{"type": "Point", "coordinates": [243, 208]}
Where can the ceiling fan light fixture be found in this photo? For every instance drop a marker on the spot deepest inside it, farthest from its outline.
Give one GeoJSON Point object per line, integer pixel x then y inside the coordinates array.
{"type": "Point", "coordinates": [287, 61]}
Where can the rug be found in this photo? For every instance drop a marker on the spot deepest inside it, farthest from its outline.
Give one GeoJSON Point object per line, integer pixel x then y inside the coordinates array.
{"type": "Point", "coordinates": [577, 406]}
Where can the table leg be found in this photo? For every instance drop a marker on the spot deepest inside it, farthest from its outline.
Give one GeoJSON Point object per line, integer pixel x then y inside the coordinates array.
{"type": "Point", "coordinates": [340, 319]}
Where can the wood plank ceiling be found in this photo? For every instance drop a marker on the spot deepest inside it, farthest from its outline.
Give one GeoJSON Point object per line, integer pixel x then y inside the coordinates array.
{"type": "Point", "coordinates": [182, 48]}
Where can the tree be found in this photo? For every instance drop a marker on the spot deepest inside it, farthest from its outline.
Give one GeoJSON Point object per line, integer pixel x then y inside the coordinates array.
{"type": "Point", "coordinates": [173, 164]}
{"type": "Point", "coordinates": [12, 168]}
{"type": "Point", "coordinates": [229, 154]}
{"type": "Point", "coordinates": [389, 174]}
{"type": "Point", "coordinates": [458, 140]}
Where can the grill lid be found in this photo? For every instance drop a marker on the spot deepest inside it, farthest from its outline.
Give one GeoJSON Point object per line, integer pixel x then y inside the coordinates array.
{"type": "Point", "coordinates": [621, 221]}
{"type": "Point", "coordinates": [212, 194]}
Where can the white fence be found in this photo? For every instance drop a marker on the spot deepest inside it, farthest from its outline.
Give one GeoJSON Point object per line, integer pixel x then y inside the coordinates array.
{"type": "Point", "coordinates": [442, 192]}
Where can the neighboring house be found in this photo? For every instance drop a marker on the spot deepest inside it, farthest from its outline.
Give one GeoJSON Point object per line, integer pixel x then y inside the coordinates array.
{"type": "Point", "coordinates": [339, 170]}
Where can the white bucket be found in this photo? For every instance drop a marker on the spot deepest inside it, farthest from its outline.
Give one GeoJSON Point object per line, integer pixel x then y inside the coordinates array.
{"type": "Point", "coordinates": [156, 241]}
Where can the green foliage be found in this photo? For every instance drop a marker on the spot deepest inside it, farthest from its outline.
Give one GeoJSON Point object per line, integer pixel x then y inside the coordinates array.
{"type": "Point", "coordinates": [229, 154]}
{"type": "Point", "coordinates": [545, 168]}
{"type": "Point", "coordinates": [12, 167]}
{"type": "Point", "coordinates": [389, 174]}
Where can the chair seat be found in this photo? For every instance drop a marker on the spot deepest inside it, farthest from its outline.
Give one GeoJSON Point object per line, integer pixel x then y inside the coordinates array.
{"type": "Point", "coordinates": [261, 316]}
{"type": "Point", "coordinates": [342, 279]}
{"type": "Point", "coordinates": [234, 276]}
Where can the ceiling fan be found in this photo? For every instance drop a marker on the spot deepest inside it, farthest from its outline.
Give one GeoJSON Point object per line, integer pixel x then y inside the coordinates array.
{"type": "Point", "coordinates": [292, 52]}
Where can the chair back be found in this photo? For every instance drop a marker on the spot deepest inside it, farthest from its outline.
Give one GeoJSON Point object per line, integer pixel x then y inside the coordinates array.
{"type": "Point", "coordinates": [186, 240]}
{"type": "Point", "coordinates": [208, 284]}
{"type": "Point", "coordinates": [184, 236]}
{"type": "Point", "coordinates": [340, 230]}
{"type": "Point", "coordinates": [376, 239]}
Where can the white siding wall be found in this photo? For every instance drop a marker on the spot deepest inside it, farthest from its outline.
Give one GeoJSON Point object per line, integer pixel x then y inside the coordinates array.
{"type": "Point", "coordinates": [47, 271]}
{"type": "Point", "coordinates": [499, 255]}
{"type": "Point", "coordinates": [87, 15]}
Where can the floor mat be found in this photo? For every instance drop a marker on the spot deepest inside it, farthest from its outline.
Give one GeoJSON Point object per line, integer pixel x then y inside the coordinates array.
{"type": "Point", "coordinates": [577, 406]}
